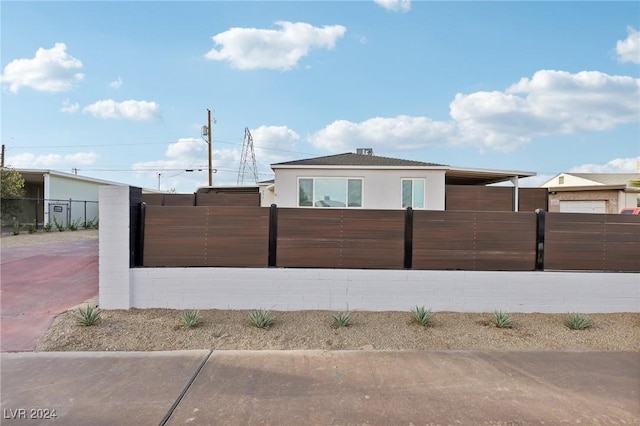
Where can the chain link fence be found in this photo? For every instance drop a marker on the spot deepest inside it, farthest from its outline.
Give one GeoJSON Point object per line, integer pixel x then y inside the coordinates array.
{"type": "Point", "coordinates": [37, 213]}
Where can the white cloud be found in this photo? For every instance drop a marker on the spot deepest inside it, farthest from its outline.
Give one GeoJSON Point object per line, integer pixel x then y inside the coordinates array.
{"type": "Point", "coordinates": [395, 5]}
{"type": "Point", "coordinates": [628, 50]}
{"type": "Point", "coordinates": [116, 84]}
{"type": "Point", "coordinates": [69, 107]}
{"type": "Point", "coordinates": [127, 110]}
{"type": "Point", "coordinates": [618, 165]}
{"type": "Point", "coordinates": [50, 70]}
{"type": "Point", "coordinates": [401, 132]}
{"type": "Point", "coordinates": [253, 48]}
{"type": "Point", "coordinates": [555, 102]}
{"type": "Point", "coordinates": [550, 103]}
{"type": "Point", "coordinates": [50, 161]}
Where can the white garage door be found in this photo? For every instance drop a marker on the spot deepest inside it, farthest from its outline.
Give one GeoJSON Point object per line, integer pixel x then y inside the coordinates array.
{"type": "Point", "coordinates": [583, 206]}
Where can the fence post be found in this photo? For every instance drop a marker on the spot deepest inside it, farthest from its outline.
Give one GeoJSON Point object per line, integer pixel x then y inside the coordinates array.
{"type": "Point", "coordinates": [408, 238]}
{"type": "Point", "coordinates": [273, 235]}
{"type": "Point", "coordinates": [140, 251]}
{"type": "Point", "coordinates": [540, 224]}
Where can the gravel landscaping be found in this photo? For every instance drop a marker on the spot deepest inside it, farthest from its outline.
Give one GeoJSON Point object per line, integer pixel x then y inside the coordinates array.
{"type": "Point", "coordinates": [160, 329]}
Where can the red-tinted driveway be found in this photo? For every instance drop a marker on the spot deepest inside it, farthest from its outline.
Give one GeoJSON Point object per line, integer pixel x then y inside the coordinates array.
{"type": "Point", "coordinates": [40, 281]}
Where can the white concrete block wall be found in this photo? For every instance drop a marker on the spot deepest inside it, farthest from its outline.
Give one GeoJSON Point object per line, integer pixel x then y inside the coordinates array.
{"type": "Point", "coordinates": [463, 291]}
{"type": "Point", "coordinates": [114, 248]}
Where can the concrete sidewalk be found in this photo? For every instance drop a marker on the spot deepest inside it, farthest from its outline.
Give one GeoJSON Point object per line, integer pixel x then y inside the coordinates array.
{"type": "Point", "coordinates": [318, 387]}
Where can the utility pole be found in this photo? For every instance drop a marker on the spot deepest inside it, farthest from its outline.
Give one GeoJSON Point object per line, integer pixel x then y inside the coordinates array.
{"type": "Point", "coordinates": [209, 142]}
{"type": "Point", "coordinates": [2, 158]}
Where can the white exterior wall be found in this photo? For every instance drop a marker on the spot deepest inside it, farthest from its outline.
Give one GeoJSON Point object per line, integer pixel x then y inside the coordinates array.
{"type": "Point", "coordinates": [61, 188]}
{"type": "Point", "coordinates": [382, 188]}
{"type": "Point", "coordinates": [343, 289]}
{"type": "Point", "coordinates": [383, 290]}
{"type": "Point", "coordinates": [628, 199]}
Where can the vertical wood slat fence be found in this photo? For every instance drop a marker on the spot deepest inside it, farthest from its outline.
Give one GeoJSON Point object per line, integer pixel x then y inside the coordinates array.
{"type": "Point", "coordinates": [388, 239]}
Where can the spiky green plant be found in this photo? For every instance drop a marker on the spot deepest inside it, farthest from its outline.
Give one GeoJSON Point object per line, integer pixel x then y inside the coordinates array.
{"type": "Point", "coordinates": [342, 319]}
{"type": "Point", "coordinates": [501, 319]}
{"type": "Point", "coordinates": [190, 319]}
{"type": "Point", "coordinates": [261, 318]}
{"type": "Point", "coordinates": [577, 321]}
{"type": "Point", "coordinates": [421, 315]}
{"type": "Point", "coordinates": [87, 316]}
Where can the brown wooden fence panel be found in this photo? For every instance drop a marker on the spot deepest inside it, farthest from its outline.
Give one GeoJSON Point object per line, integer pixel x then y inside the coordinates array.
{"type": "Point", "coordinates": [494, 198]}
{"type": "Point", "coordinates": [531, 199]}
{"type": "Point", "coordinates": [340, 238]}
{"type": "Point", "coordinates": [474, 240]}
{"type": "Point", "coordinates": [206, 236]}
{"type": "Point", "coordinates": [228, 199]}
{"type": "Point", "coordinates": [153, 199]}
{"type": "Point", "coordinates": [179, 200]}
{"type": "Point", "coordinates": [595, 242]}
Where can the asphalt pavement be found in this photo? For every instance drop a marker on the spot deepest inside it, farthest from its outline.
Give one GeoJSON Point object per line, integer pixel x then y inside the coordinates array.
{"type": "Point", "coordinates": [39, 282]}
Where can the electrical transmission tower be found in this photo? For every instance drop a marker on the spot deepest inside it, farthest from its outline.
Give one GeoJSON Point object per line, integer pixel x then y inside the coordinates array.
{"type": "Point", "coordinates": [247, 159]}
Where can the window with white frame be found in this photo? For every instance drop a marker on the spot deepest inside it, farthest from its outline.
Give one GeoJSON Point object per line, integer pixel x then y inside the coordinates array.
{"type": "Point", "coordinates": [330, 192]}
{"type": "Point", "coordinates": [413, 193]}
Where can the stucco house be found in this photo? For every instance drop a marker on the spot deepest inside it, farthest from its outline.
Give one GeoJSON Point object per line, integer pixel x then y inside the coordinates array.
{"type": "Point", "coordinates": [592, 192]}
{"type": "Point", "coordinates": [65, 197]}
{"type": "Point", "coordinates": [366, 181]}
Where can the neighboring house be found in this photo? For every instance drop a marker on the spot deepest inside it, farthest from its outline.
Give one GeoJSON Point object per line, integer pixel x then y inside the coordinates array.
{"type": "Point", "coordinates": [363, 180]}
{"type": "Point", "coordinates": [64, 197]}
{"type": "Point", "coordinates": [592, 192]}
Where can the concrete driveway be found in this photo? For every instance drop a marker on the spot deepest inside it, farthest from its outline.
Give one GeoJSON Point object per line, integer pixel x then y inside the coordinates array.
{"type": "Point", "coordinates": [40, 281]}
{"type": "Point", "coordinates": [321, 388]}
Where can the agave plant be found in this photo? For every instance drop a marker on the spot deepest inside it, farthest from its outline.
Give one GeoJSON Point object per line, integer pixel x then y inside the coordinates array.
{"type": "Point", "coordinates": [501, 319]}
{"type": "Point", "coordinates": [577, 321]}
{"type": "Point", "coordinates": [190, 319]}
{"type": "Point", "coordinates": [342, 319]}
{"type": "Point", "coordinates": [421, 315]}
{"type": "Point", "coordinates": [87, 316]}
{"type": "Point", "coordinates": [261, 318]}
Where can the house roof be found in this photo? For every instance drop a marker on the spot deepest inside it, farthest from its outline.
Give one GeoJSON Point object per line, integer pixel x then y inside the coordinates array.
{"type": "Point", "coordinates": [351, 159]}
{"type": "Point", "coordinates": [607, 178]}
{"type": "Point", "coordinates": [453, 175]}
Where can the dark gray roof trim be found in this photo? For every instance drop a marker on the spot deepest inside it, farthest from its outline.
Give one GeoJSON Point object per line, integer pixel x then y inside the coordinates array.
{"type": "Point", "coordinates": [350, 159]}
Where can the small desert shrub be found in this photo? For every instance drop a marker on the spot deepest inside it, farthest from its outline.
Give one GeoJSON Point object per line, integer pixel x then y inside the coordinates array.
{"type": "Point", "coordinates": [59, 226]}
{"type": "Point", "coordinates": [342, 319]}
{"type": "Point", "coordinates": [501, 319]}
{"type": "Point", "coordinates": [261, 318]}
{"type": "Point", "coordinates": [577, 321]}
{"type": "Point", "coordinates": [47, 227]}
{"type": "Point", "coordinates": [15, 227]}
{"type": "Point", "coordinates": [31, 228]}
{"type": "Point", "coordinates": [74, 225]}
{"type": "Point", "coordinates": [87, 316]}
{"type": "Point", "coordinates": [421, 315]}
{"type": "Point", "coordinates": [190, 319]}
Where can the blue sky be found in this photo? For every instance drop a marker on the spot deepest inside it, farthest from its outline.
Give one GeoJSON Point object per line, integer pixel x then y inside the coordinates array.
{"type": "Point", "coordinates": [120, 90]}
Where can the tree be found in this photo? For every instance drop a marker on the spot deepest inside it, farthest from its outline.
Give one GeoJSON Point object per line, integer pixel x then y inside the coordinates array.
{"type": "Point", "coordinates": [11, 188]}
{"type": "Point", "coordinates": [11, 183]}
